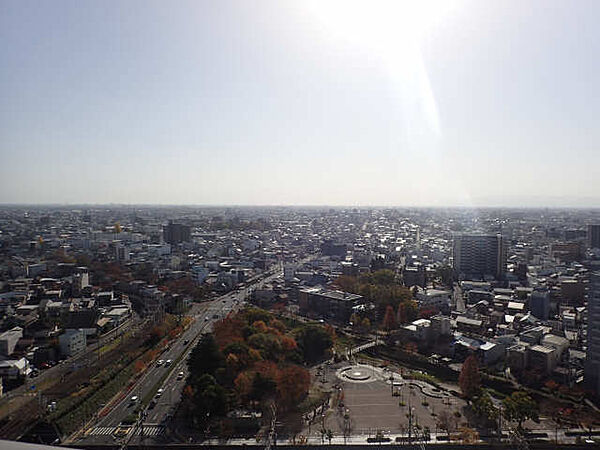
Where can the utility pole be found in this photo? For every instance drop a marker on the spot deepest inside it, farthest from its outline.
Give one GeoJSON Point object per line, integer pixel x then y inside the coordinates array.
{"type": "Point", "coordinates": [409, 420]}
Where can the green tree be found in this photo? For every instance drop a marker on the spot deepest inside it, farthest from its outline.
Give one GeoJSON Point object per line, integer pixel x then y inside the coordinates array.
{"type": "Point", "coordinates": [484, 407]}
{"type": "Point", "coordinates": [445, 274]}
{"type": "Point", "coordinates": [519, 407]}
{"type": "Point", "coordinates": [411, 310]}
{"type": "Point", "coordinates": [264, 388]}
{"type": "Point", "coordinates": [209, 399]}
{"type": "Point", "coordinates": [366, 324]}
{"type": "Point", "coordinates": [469, 379]}
{"type": "Point", "coordinates": [314, 342]}
{"type": "Point", "coordinates": [384, 276]}
{"type": "Point", "coordinates": [205, 358]}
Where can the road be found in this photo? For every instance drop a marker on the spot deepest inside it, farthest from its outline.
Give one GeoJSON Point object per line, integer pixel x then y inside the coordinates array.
{"type": "Point", "coordinates": [155, 417]}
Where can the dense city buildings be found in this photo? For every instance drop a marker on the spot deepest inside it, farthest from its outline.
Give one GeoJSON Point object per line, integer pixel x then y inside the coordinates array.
{"type": "Point", "coordinates": [516, 289]}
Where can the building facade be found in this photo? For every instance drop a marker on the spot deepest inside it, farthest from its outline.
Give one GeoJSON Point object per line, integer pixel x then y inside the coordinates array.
{"type": "Point", "coordinates": [593, 236]}
{"type": "Point", "coordinates": [477, 256]}
{"type": "Point", "coordinates": [539, 304]}
{"type": "Point", "coordinates": [336, 305]}
{"type": "Point", "coordinates": [592, 363]}
{"type": "Point", "coordinates": [176, 233]}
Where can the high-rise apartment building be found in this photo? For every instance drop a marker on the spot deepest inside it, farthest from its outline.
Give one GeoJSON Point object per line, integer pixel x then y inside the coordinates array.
{"type": "Point", "coordinates": [593, 236]}
{"type": "Point", "coordinates": [539, 304]}
{"type": "Point", "coordinates": [477, 256]}
{"type": "Point", "coordinates": [592, 363]}
{"type": "Point", "coordinates": [176, 233]}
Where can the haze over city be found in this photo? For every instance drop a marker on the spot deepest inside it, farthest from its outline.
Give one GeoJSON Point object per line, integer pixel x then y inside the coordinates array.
{"type": "Point", "coordinates": [432, 103]}
{"type": "Point", "coordinates": [299, 224]}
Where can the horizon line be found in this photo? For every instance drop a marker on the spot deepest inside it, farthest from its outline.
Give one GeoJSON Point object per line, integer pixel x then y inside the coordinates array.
{"type": "Point", "coordinates": [258, 205]}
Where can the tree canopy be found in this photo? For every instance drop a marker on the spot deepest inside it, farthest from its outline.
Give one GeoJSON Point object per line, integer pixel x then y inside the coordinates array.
{"type": "Point", "coordinates": [314, 341]}
{"type": "Point", "coordinates": [382, 288]}
{"type": "Point", "coordinates": [469, 379]}
{"type": "Point", "coordinates": [519, 406]}
{"type": "Point", "coordinates": [251, 359]}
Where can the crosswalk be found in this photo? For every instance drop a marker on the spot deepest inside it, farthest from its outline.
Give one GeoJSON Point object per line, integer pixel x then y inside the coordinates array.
{"type": "Point", "coordinates": [151, 430]}
{"type": "Point", "coordinates": [102, 431]}
{"type": "Point", "coordinates": [147, 430]}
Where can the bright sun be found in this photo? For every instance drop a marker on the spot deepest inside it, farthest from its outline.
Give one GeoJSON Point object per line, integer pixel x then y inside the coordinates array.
{"type": "Point", "coordinates": [394, 31]}
{"type": "Point", "coordinates": [380, 23]}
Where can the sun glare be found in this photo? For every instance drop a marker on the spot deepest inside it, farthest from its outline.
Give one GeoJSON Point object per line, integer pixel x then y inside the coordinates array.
{"type": "Point", "coordinates": [380, 23]}
{"type": "Point", "coordinates": [393, 30]}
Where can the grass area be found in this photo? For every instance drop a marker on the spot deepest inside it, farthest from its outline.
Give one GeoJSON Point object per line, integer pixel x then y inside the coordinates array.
{"type": "Point", "coordinates": [496, 394]}
{"type": "Point", "coordinates": [114, 343]}
{"type": "Point", "coordinates": [344, 342]}
{"type": "Point", "coordinates": [364, 358]}
{"type": "Point", "coordinates": [71, 414]}
{"type": "Point", "coordinates": [423, 377]}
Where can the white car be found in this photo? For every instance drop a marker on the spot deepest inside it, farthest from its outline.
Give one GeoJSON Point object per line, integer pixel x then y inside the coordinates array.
{"type": "Point", "coordinates": [159, 392]}
{"type": "Point", "coordinates": [168, 362]}
{"type": "Point", "coordinates": [160, 362]}
{"type": "Point", "coordinates": [180, 376]}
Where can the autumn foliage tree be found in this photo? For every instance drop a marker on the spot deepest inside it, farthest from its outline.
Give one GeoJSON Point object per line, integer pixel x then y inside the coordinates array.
{"type": "Point", "coordinates": [469, 379]}
{"type": "Point", "coordinates": [292, 385]}
{"type": "Point", "coordinates": [254, 359]}
{"type": "Point", "coordinates": [139, 366]}
{"type": "Point", "coordinates": [389, 320]}
{"type": "Point", "coordinates": [379, 287]}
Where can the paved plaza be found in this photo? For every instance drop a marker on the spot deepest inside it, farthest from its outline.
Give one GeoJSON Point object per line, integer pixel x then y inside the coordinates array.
{"type": "Point", "coordinates": [366, 399]}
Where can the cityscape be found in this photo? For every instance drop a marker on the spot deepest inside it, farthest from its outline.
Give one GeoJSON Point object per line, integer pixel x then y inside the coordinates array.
{"type": "Point", "coordinates": [252, 224]}
{"type": "Point", "coordinates": [147, 326]}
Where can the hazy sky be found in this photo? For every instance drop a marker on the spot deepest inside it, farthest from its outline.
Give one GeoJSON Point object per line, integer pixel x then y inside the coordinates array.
{"type": "Point", "coordinates": [281, 102]}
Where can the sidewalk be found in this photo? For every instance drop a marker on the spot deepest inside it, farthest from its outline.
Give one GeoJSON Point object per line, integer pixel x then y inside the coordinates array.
{"type": "Point", "coordinates": [395, 438]}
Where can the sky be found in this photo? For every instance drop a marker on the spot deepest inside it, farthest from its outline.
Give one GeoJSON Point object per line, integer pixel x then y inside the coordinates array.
{"type": "Point", "coordinates": [249, 102]}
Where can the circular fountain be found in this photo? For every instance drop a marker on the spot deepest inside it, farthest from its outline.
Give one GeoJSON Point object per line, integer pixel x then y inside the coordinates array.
{"type": "Point", "coordinates": [356, 373]}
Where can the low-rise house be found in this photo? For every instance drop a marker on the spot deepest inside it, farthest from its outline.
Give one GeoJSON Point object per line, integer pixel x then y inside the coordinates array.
{"type": "Point", "coordinates": [468, 324]}
{"type": "Point", "coordinates": [434, 298]}
{"type": "Point", "coordinates": [9, 339]}
{"type": "Point", "coordinates": [12, 369]}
